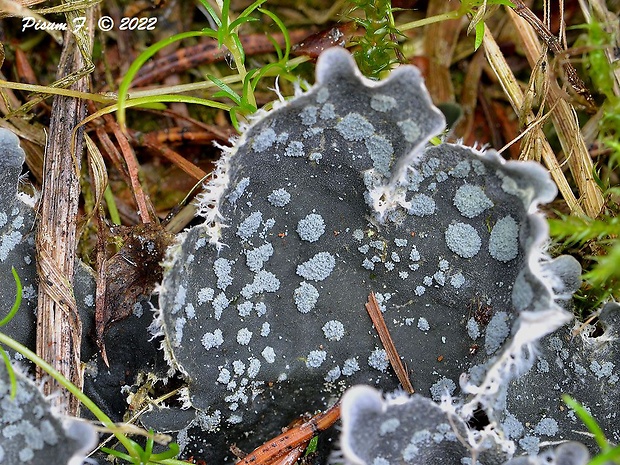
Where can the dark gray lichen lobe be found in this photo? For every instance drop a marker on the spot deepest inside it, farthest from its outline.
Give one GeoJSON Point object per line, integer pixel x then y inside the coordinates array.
{"type": "Point", "coordinates": [306, 242]}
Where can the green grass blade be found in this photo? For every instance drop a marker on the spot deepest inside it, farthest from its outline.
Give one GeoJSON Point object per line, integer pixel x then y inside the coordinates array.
{"type": "Point", "coordinates": [239, 21]}
{"type": "Point", "coordinates": [212, 12]}
{"type": "Point", "coordinates": [123, 88]}
{"type": "Point", "coordinates": [248, 11]}
{"type": "Point", "coordinates": [612, 455]}
{"type": "Point", "coordinates": [280, 24]}
{"type": "Point", "coordinates": [18, 299]}
{"type": "Point", "coordinates": [10, 371]}
{"type": "Point", "coordinates": [588, 420]}
{"type": "Point", "coordinates": [226, 89]}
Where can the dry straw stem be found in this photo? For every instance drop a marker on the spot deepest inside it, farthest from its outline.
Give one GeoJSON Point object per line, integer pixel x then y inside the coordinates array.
{"type": "Point", "coordinates": [59, 329]}
{"type": "Point", "coordinates": [565, 121]}
{"type": "Point", "coordinates": [515, 95]}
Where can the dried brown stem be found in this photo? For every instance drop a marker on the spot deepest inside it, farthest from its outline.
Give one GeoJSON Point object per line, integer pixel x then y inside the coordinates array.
{"type": "Point", "coordinates": [384, 334]}
{"type": "Point", "coordinates": [513, 91]}
{"type": "Point", "coordinates": [59, 329]}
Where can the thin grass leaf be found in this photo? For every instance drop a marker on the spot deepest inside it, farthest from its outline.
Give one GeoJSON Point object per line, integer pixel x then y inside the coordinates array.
{"type": "Point", "coordinates": [10, 371]}
{"type": "Point", "coordinates": [479, 35]}
{"type": "Point", "coordinates": [285, 34]}
{"type": "Point", "coordinates": [123, 88]}
{"type": "Point", "coordinates": [239, 47]}
{"type": "Point", "coordinates": [173, 451]}
{"type": "Point", "coordinates": [18, 298]}
{"type": "Point", "coordinates": [225, 90]}
{"type": "Point", "coordinates": [589, 421]}
{"type": "Point", "coordinates": [212, 12]}
{"type": "Point", "coordinates": [238, 22]}
{"type": "Point", "coordinates": [248, 11]}
{"type": "Point", "coordinates": [118, 454]}
{"type": "Point", "coordinates": [605, 457]}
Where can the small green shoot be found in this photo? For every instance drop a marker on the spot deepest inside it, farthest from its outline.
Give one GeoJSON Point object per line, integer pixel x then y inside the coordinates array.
{"type": "Point", "coordinates": [312, 446]}
{"type": "Point", "coordinates": [227, 36]}
{"type": "Point", "coordinates": [377, 50]}
{"type": "Point", "coordinates": [4, 321]}
{"type": "Point", "coordinates": [608, 452]}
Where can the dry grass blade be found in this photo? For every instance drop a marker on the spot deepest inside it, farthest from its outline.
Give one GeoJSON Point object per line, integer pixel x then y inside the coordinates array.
{"type": "Point", "coordinates": [565, 121]}
{"type": "Point", "coordinates": [59, 329]}
{"type": "Point", "coordinates": [384, 334]}
{"type": "Point", "coordinates": [555, 46]}
{"type": "Point", "coordinates": [514, 93]}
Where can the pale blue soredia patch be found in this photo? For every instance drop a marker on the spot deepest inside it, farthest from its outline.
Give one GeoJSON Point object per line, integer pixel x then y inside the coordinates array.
{"type": "Point", "coordinates": [463, 240]}
{"type": "Point", "coordinates": [264, 281]}
{"type": "Point", "coordinates": [294, 149]}
{"type": "Point", "coordinates": [381, 153]}
{"type": "Point", "coordinates": [382, 103]}
{"type": "Point", "coordinates": [333, 330]}
{"type": "Point", "coordinates": [220, 303]}
{"type": "Point", "coordinates": [504, 240]}
{"type": "Point", "coordinates": [279, 198]}
{"type": "Point", "coordinates": [473, 330]}
{"type": "Point", "coordinates": [354, 127]}
{"type": "Point", "coordinates": [250, 225]}
{"type": "Point", "coordinates": [9, 242]}
{"type": "Point", "coordinates": [238, 191]}
{"type": "Point", "coordinates": [315, 157]}
{"type": "Point", "coordinates": [244, 335]}
{"type": "Point", "coordinates": [256, 258]}
{"type": "Point", "coordinates": [378, 360]}
{"type": "Point", "coordinates": [316, 358]}
{"type": "Point", "coordinates": [471, 200]}
{"type": "Point", "coordinates": [265, 329]}
{"type": "Point", "coordinates": [311, 228]}
{"type": "Point", "coordinates": [442, 387]}
{"type": "Point", "coordinates": [214, 339]}
{"type": "Point", "coordinates": [318, 267]}
{"type": "Point", "coordinates": [602, 370]}
{"type": "Point", "coordinates": [305, 297]}
{"type": "Point", "coordinates": [264, 140]}
{"type": "Point", "coordinates": [421, 205]}
{"type": "Point", "coordinates": [461, 170]}
{"type": "Point", "coordinates": [389, 426]}
{"type": "Point", "coordinates": [457, 280]}
{"type": "Point", "coordinates": [222, 268]}
{"type": "Point", "coordinates": [410, 130]}
{"type": "Point", "coordinates": [547, 427]}
{"type": "Point", "coordinates": [350, 366]}
{"type": "Point", "coordinates": [333, 374]}
{"type": "Point", "coordinates": [269, 354]}
{"type": "Point", "coordinates": [245, 309]}
{"type": "Point", "coordinates": [423, 324]}
{"type": "Point", "coordinates": [497, 332]}
{"type": "Point", "coordinates": [308, 115]}
{"type": "Point", "coordinates": [328, 111]}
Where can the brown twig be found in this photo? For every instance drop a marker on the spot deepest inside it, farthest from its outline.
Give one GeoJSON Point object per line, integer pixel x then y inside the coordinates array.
{"type": "Point", "coordinates": [384, 334]}
{"type": "Point", "coordinates": [280, 446]}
